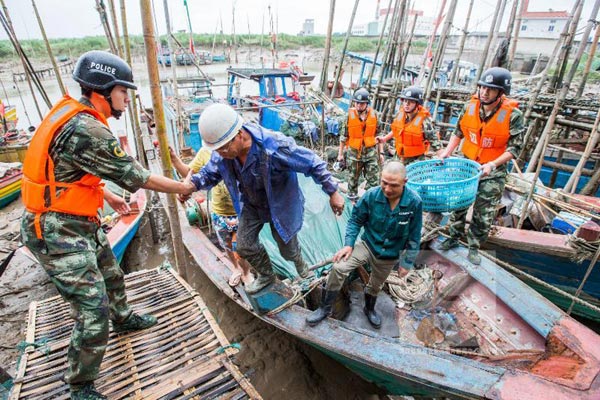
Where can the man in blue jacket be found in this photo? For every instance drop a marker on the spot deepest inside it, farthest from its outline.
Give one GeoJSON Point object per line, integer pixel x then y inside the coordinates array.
{"type": "Point", "coordinates": [391, 218]}
{"type": "Point", "coordinates": [259, 168]}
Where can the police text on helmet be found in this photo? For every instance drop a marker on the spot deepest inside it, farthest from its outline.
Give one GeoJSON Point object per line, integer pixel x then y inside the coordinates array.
{"type": "Point", "coordinates": [103, 68]}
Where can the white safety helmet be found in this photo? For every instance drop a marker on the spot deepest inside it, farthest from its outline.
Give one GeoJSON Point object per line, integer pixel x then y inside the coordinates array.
{"type": "Point", "coordinates": [218, 125]}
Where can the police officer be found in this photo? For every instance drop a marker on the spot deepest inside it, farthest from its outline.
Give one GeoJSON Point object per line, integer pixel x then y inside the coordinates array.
{"type": "Point", "coordinates": [412, 129]}
{"type": "Point", "coordinates": [71, 151]}
{"type": "Point", "coordinates": [359, 138]}
{"type": "Point", "coordinates": [492, 128]}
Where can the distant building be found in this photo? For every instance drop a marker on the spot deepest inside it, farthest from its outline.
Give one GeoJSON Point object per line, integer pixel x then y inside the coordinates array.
{"type": "Point", "coordinates": [373, 28]}
{"type": "Point", "coordinates": [546, 25]}
{"type": "Point", "coordinates": [308, 27]}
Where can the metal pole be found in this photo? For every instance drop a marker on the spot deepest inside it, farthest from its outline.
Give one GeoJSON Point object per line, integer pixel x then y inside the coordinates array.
{"type": "Point", "coordinates": [133, 108]}
{"type": "Point", "coordinates": [49, 49]}
{"type": "Point", "coordinates": [588, 63]}
{"type": "Point", "coordinates": [325, 68]}
{"type": "Point", "coordinates": [486, 48]}
{"type": "Point", "coordinates": [461, 46]}
{"type": "Point", "coordinates": [161, 133]}
{"type": "Point", "coordinates": [348, 32]}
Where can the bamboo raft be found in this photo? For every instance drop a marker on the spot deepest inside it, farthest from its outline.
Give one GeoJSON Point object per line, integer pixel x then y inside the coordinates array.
{"type": "Point", "coordinates": [186, 355]}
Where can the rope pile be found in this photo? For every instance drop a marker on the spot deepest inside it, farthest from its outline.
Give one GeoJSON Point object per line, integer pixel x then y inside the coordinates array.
{"type": "Point", "coordinates": [584, 250]}
{"type": "Point", "coordinates": [415, 286]}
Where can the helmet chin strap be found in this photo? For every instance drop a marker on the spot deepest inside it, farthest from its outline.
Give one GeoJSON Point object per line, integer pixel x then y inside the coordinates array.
{"type": "Point", "coordinates": [115, 113]}
{"type": "Point", "coordinates": [487, 103]}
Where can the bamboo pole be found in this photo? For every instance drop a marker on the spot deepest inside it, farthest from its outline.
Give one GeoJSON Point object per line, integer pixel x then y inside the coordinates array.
{"type": "Point", "coordinates": [325, 68]}
{"type": "Point", "coordinates": [540, 148]}
{"type": "Point", "coordinates": [133, 108]}
{"type": "Point", "coordinates": [486, 47]}
{"type": "Point", "coordinates": [104, 21]}
{"type": "Point", "coordinates": [402, 35]}
{"type": "Point", "coordinates": [161, 133]}
{"type": "Point", "coordinates": [563, 58]}
{"type": "Point", "coordinates": [22, 102]}
{"type": "Point", "coordinates": [174, 72]}
{"type": "Point", "coordinates": [113, 15]}
{"type": "Point", "coordinates": [461, 46]}
{"type": "Point", "coordinates": [588, 63]}
{"type": "Point", "coordinates": [511, 26]}
{"type": "Point", "coordinates": [571, 184]}
{"type": "Point", "coordinates": [493, 43]}
{"type": "Point", "coordinates": [436, 25]}
{"type": "Point", "coordinates": [348, 32]}
{"type": "Point", "coordinates": [408, 43]}
{"type": "Point", "coordinates": [533, 97]}
{"type": "Point", "coordinates": [584, 280]}
{"type": "Point", "coordinates": [15, 42]}
{"type": "Point", "coordinates": [592, 184]}
{"type": "Point", "coordinates": [234, 38]}
{"type": "Point", "coordinates": [49, 50]}
{"type": "Point", "coordinates": [517, 30]}
{"type": "Point", "coordinates": [555, 110]}
{"type": "Point", "coordinates": [379, 43]}
{"type": "Point", "coordinates": [440, 50]}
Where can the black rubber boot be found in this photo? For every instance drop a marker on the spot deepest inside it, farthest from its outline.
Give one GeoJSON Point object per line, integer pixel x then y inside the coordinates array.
{"type": "Point", "coordinates": [86, 391]}
{"type": "Point", "coordinates": [324, 309]}
{"type": "Point", "coordinates": [370, 312]}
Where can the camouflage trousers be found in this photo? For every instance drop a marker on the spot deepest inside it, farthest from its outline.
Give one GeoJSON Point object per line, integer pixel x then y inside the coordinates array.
{"type": "Point", "coordinates": [77, 256]}
{"type": "Point", "coordinates": [489, 194]}
{"type": "Point", "coordinates": [410, 160]}
{"type": "Point", "coordinates": [369, 167]}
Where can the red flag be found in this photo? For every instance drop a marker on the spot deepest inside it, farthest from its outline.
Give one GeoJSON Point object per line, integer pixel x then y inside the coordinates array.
{"type": "Point", "coordinates": [192, 50]}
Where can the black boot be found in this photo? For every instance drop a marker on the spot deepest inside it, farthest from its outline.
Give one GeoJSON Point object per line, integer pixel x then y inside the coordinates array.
{"type": "Point", "coordinates": [324, 309]}
{"type": "Point", "coordinates": [370, 312]}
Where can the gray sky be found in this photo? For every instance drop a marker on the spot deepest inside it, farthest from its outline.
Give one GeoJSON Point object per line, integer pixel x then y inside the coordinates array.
{"type": "Point", "coordinates": [78, 18]}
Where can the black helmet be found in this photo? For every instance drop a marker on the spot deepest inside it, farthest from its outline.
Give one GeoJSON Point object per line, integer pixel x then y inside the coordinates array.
{"type": "Point", "coordinates": [361, 96]}
{"type": "Point", "coordinates": [414, 93]}
{"type": "Point", "coordinates": [497, 78]}
{"type": "Point", "coordinates": [101, 70]}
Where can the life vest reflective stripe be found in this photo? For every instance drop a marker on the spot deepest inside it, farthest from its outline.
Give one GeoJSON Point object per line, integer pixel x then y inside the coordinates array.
{"type": "Point", "coordinates": [486, 141]}
{"type": "Point", "coordinates": [361, 133]}
{"type": "Point", "coordinates": [40, 191]}
{"type": "Point", "coordinates": [410, 140]}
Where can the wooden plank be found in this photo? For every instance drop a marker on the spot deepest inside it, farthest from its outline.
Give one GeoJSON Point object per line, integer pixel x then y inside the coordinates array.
{"type": "Point", "coordinates": [29, 337]}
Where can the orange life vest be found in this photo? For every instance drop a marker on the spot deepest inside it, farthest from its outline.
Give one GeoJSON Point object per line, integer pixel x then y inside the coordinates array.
{"type": "Point", "coordinates": [361, 133]}
{"type": "Point", "coordinates": [410, 141]}
{"type": "Point", "coordinates": [39, 188]}
{"type": "Point", "coordinates": [486, 141]}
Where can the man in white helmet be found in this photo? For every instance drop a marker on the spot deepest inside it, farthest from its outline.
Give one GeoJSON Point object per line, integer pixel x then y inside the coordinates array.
{"type": "Point", "coordinates": [259, 168]}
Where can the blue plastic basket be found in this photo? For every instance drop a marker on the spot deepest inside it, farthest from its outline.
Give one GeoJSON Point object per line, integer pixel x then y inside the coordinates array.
{"type": "Point", "coordinates": [444, 186]}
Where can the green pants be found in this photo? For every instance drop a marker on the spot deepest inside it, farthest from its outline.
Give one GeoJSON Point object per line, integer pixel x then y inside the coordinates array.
{"type": "Point", "coordinates": [489, 194]}
{"type": "Point", "coordinates": [367, 167]}
{"type": "Point", "coordinates": [361, 255]}
{"type": "Point", "coordinates": [77, 256]}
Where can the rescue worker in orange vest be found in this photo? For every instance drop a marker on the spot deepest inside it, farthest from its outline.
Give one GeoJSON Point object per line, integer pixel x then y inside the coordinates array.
{"type": "Point", "coordinates": [363, 153]}
{"type": "Point", "coordinates": [492, 128]}
{"type": "Point", "coordinates": [69, 154]}
{"type": "Point", "coordinates": [412, 129]}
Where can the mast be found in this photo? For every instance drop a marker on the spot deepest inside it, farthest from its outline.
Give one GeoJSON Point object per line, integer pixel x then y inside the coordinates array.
{"type": "Point", "coordinates": [325, 68]}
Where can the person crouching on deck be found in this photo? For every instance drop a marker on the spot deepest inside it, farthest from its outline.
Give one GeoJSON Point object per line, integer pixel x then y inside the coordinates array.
{"type": "Point", "coordinates": [391, 216]}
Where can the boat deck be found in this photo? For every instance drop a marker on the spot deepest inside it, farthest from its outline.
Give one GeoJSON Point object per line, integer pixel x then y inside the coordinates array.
{"type": "Point", "coordinates": [186, 355]}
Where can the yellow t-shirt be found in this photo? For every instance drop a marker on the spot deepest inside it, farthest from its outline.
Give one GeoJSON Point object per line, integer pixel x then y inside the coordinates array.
{"type": "Point", "coordinates": [221, 199]}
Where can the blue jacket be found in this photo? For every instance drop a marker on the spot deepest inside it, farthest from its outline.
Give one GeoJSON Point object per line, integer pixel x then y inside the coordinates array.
{"type": "Point", "coordinates": [278, 162]}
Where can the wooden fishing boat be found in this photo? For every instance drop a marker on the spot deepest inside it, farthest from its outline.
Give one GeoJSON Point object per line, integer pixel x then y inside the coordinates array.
{"type": "Point", "coordinates": [10, 186]}
{"type": "Point", "coordinates": [122, 232]}
{"type": "Point", "coordinates": [523, 346]}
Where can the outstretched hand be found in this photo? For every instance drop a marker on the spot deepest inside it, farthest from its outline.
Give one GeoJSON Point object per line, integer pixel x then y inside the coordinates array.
{"type": "Point", "coordinates": [336, 201]}
{"type": "Point", "coordinates": [188, 188]}
{"type": "Point", "coordinates": [342, 254]}
{"type": "Point", "coordinates": [117, 203]}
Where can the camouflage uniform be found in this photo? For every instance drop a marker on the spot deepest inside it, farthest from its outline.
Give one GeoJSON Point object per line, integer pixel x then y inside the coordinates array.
{"type": "Point", "coordinates": [430, 134]}
{"type": "Point", "coordinates": [490, 187]}
{"type": "Point", "coordinates": [74, 250]}
{"type": "Point", "coordinates": [367, 163]}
